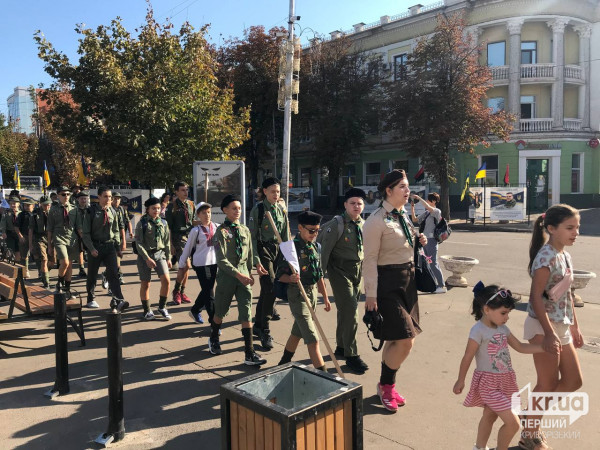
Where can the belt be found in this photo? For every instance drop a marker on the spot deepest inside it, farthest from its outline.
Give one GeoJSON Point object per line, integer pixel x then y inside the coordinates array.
{"type": "Point", "coordinates": [407, 265]}
{"type": "Point", "coordinates": [98, 243]}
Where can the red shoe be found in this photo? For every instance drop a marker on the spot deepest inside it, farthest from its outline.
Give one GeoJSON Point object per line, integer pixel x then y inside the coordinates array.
{"type": "Point", "coordinates": [386, 395]}
{"type": "Point", "coordinates": [399, 399]}
{"type": "Point", "coordinates": [177, 298]}
{"type": "Point", "coordinates": [185, 298]}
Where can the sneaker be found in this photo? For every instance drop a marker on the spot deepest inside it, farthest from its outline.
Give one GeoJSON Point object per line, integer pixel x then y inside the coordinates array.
{"type": "Point", "coordinates": [441, 290]}
{"type": "Point", "coordinates": [92, 305]}
{"type": "Point", "coordinates": [122, 305]}
{"type": "Point", "coordinates": [254, 359]}
{"type": "Point", "coordinates": [82, 273]}
{"type": "Point", "coordinates": [386, 395]}
{"type": "Point", "coordinates": [185, 298]}
{"type": "Point", "coordinates": [149, 315]}
{"type": "Point", "coordinates": [45, 284]}
{"type": "Point", "coordinates": [399, 399]}
{"type": "Point", "coordinates": [27, 275]}
{"type": "Point", "coordinates": [197, 317]}
{"type": "Point", "coordinates": [339, 352]}
{"type": "Point", "coordinates": [177, 298]}
{"type": "Point", "coordinates": [275, 315]}
{"type": "Point", "coordinates": [104, 281]}
{"type": "Point", "coordinates": [356, 364]}
{"type": "Point", "coordinates": [266, 340]}
{"type": "Point", "coordinates": [163, 312]}
{"type": "Point", "coordinates": [214, 347]}
{"type": "Point", "coordinates": [69, 295]}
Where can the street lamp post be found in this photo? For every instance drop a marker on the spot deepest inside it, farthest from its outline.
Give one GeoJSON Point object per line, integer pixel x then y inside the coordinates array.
{"type": "Point", "coordinates": [287, 112]}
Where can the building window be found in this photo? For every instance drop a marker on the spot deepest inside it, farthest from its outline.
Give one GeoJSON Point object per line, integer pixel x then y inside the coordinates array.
{"type": "Point", "coordinates": [529, 52]}
{"type": "Point", "coordinates": [305, 179]}
{"type": "Point", "coordinates": [372, 173]}
{"type": "Point", "coordinates": [491, 169]}
{"type": "Point", "coordinates": [496, 103]}
{"type": "Point", "coordinates": [576, 172]}
{"type": "Point", "coordinates": [527, 107]}
{"type": "Point", "coordinates": [400, 66]}
{"type": "Point", "coordinates": [401, 164]}
{"type": "Point", "coordinates": [496, 54]}
{"type": "Point", "coordinates": [323, 181]}
{"type": "Point", "coordinates": [348, 178]}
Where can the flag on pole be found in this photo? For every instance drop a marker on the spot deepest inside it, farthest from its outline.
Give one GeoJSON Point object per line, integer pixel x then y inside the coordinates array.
{"type": "Point", "coordinates": [466, 188]}
{"type": "Point", "coordinates": [82, 173]}
{"type": "Point", "coordinates": [1, 180]}
{"type": "Point", "coordinates": [506, 176]}
{"type": "Point", "coordinates": [350, 183]}
{"type": "Point", "coordinates": [481, 172]}
{"type": "Point", "coordinates": [17, 178]}
{"type": "Point", "coordinates": [289, 252]}
{"type": "Point", "coordinates": [4, 203]}
{"type": "Point", "coordinates": [420, 175]}
{"type": "Point", "coordinates": [46, 176]}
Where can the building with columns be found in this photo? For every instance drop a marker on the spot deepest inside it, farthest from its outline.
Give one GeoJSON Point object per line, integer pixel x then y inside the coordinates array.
{"type": "Point", "coordinates": [544, 56]}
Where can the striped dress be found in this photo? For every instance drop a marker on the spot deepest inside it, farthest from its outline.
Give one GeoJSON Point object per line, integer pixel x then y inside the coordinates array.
{"type": "Point", "coordinates": [494, 381]}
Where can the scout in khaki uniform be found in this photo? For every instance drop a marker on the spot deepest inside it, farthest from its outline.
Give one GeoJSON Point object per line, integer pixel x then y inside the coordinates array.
{"type": "Point", "coordinates": [102, 234]}
{"type": "Point", "coordinates": [62, 238]}
{"type": "Point", "coordinates": [82, 204]}
{"type": "Point", "coordinates": [341, 256]}
{"type": "Point", "coordinates": [152, 245]}
{"type": "Point", "coordinates": [124, 218]}
{"type": "Point", "coordinates": [233, 245]}
{"type": "Point", "coordinates": [10, 228]}
{"type": "Point", "coordinates": [180, 216]}
{"type": "Point", "coordinates": [23, 231]}
{"type": "Point", "coordinates": [38, 239]}
{"type": "Point", "coordinates": [311, 277]}
{"type": "Point", "coordinates": [265, 249]}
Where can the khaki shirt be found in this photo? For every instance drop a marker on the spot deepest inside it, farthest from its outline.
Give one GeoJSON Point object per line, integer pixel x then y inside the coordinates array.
{"type": "Point", "coordinates": [62, 230]}
{"type": "Point", "coordinates": [338, 250]}
{"type": "Point", "coordinates": [227, 259]}
{"type": "Point", "coordinates": [175, 216]}
{"type": "Point", "coordinates": [150, 237]}
{"type": "Point", "coordinates": [100, 230]}
{"type": "Point", "coordinates": [39, 225]}
{"type": "Point", "coordinates": [385, 244]}
{"type": "Point", "coordinates": [261, 230]}
{"type": "Point", "coordinates": [79, 216]}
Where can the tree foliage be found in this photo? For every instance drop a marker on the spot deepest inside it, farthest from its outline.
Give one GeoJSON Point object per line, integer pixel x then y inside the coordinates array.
{"type": "Point", "coordinates": [16, 148]}
{"type": "Point", "coordinates": [437, 105]}
{"type": "Point", "coordinates": [144, 106]}
{"type": "Point", "coordinates": [251, 66]}
{"type": "Point", "coordinates": [338, 103]}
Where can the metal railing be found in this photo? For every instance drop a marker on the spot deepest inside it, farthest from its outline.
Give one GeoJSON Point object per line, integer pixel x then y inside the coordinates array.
{"type": "Point", "coordinates": [535, 125]}
{"type": "Point", "coordinates": [537, 70]}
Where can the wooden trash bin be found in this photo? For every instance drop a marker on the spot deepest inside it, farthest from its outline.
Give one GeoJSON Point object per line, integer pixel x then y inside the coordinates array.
{"type": "Point", "coordinates": [291, 407]}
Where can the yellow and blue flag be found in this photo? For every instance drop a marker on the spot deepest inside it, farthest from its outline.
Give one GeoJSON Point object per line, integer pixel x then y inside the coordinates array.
{"type": "Point", "coordinates": [46, 176]}
{"type": "Point", "coordinates": [17, 178]}
{"type": "Point", "coordinates": [466, 188]}
{"type": "Point", "coordinates": [481, 172]}
{"type": "Point", "coordinates": [82, 173]}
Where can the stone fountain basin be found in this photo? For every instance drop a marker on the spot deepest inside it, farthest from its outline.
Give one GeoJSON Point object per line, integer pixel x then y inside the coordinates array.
{"type": "Point", "coordinates": [581, 278]}
{"type": "Point", "coordinates": [458, 263]}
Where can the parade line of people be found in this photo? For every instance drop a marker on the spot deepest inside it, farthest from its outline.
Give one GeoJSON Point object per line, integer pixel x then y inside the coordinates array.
{"type": "Point", "coordinates": [375, 255]}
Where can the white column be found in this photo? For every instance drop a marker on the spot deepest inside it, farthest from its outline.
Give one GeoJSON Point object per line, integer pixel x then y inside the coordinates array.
{"type": "Point", "coordinates": [558, 54]}
{"type": "Point", "coordinates": [584, 31]}
{"type": "Point", "coordinates": [514, 70]}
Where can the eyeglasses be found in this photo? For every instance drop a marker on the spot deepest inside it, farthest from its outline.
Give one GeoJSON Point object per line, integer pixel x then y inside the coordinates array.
{"type": "Point", "coordinates": [312, 230]}
{"type": "Point", "coordinates": [504, 293]}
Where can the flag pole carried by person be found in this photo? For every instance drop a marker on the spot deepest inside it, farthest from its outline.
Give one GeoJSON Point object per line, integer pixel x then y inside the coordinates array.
{"type": "Point", "coordinates": [308, 305]}
{"type": "Point", "coordinates": [17, 178]}
{"type": "Point", "coordinates": [46, 177]}
{"type": "Point", "coordinates": [466, 188]}
{"type": "Point", "coordinates": [482, 174]}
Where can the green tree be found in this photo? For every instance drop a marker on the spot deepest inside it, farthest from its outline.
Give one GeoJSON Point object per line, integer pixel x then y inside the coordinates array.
{"type": "Point", "coordinates": [146, 106]}
{"type": "Point", "coordinates": [251, 66]}
{"type": "Point", "coordinates": [339, 91]}
{"type": "Point", "coordinates": [15, 148]}
{"type": "Point", "coordinates": [437, 104]}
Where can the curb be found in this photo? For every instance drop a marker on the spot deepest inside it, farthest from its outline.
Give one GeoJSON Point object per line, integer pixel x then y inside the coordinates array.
{"type": "Point", "coordinates": [468, 227]}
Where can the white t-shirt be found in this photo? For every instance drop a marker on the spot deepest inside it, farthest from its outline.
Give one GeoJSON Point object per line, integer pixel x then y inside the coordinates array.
{"type": "Point", "coordinates": [429, 221]}
{"type": "Point", "coordinates": [200, 238]}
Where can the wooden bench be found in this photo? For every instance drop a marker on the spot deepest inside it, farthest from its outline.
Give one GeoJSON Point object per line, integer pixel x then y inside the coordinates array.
{"type": "Point", "coordinates": [33, 300]}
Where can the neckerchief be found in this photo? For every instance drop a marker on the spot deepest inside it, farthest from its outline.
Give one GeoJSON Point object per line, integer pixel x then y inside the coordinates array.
{"type": "Point", "coordinates": [45, 215]}
{"type": "Point", "coordinates": [66, 220]}
{"type": "Point", "coordinates": [273, 210]}
{"type": "Point", "coordinates": [400, 216]}
{"type": "Point", "coordinates": [313, 260]}
{"type": "Point", "coordinates": [105, 220]}
{"type": "Point", "coordinates": [185, 210]}
{"type": "Point", "coordinates": [208, 233]}
{"type": "Point", "coordinates": [359, 235]}
{"type": "Point", "coordinates": [158, 224]}
{"type": "Point", "coordinates": [14, 218]}
{"type": "Point", "coordinates": [235, 227]}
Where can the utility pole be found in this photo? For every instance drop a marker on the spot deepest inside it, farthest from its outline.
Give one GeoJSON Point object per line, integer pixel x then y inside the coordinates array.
{"type": "Point", "coordinates": [287, 112]}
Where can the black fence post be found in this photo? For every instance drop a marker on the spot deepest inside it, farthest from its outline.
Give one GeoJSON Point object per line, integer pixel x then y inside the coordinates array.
{"type": "Point", "coordinates": [114, 341]}
{"type": "Point", "coordinates": [61, 384]}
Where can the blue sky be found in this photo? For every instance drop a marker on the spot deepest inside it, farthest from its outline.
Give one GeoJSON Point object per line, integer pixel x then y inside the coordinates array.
{"type": "Point", "coordinates": [20, 66]}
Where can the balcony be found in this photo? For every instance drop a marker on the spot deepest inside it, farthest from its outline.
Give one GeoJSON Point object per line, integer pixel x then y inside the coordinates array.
{"type": "Point", "coordinates": [574, 74]}
{"type": "Point", "coordinates": [538, 72]}
{"type": "Point", "coordinates": [535, 125]}
{"type": "Point", "coordinates": [499, 74]}
{"type": "Point", "coordinates": [572, 124]}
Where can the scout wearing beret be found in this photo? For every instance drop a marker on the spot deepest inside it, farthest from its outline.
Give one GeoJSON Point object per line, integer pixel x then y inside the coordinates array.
{"type": "Point", "coordinates": [233, 245]}
{"type": "Point", "coordinates": [75, 190]}
{"type": "Point", "coordinates": [180, 217]}
{"type": "Point", "coordinates": [9, 227]}
{"type": "Point", "coordinates": [102, 234]}
{"type": "Point", "coordinates": [81, 206]}
{"type": "Point", "coordinates": [341, 256]}
{"type": "Point", "coordinates": [23, 222]}
{"type": "Point", "coordinates": [152, 243]}
{"type": "Point", "coordinates": [311, 277]}
{"type": "Point", "coordinates": [62, 238]}
{"type": "Point", "coordinates": [38, 239]}
{"type": "Point", "coordinates": [265, 249]}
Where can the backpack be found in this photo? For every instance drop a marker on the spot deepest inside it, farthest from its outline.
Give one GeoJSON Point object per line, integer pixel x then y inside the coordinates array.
{"type": "Point", "coordinates": [340, 228]}
{"type": "Point", "coordinates": [144, 221]}
{"type": "Point", "coordinates": [442, 230]}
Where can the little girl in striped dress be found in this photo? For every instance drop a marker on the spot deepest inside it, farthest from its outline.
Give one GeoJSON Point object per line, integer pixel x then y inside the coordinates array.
{"type": "Point", "coordinates": [494, 381]}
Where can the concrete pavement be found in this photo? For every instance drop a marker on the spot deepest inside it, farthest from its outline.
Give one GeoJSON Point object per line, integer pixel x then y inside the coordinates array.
{"type": "Point", "coordinates": [171, 381]}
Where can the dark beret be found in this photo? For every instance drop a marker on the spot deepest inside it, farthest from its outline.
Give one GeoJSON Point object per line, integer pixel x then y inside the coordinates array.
{"type": "Point", "coordinates": [63, 189]}
{"type": "Point", "coordinates": [390, 178]}
{"type": "Point", "coordinates": [83, 194]}
{"type": "Point", "coordinates": [270, 182]}
{"type": "Point", "coordinates": [355, 192]}
{"type": "Point", "coordinates": [151, 201]}
{"type": "Point", "coordinates": [45, 200]}
{"type": "Point", "coordinates": [228, 199]}
{"type": "Point", "coordinates": [309, 218]}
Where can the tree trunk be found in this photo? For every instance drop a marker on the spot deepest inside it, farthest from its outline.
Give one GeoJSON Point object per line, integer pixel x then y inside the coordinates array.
{"type": "Point", "coordinates": [445, 188]}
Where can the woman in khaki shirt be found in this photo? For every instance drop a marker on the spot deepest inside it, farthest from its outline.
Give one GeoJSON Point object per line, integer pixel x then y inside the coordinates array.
{"type": "Point", "coordinates": [389, 279]}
